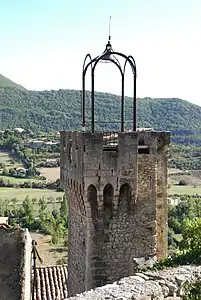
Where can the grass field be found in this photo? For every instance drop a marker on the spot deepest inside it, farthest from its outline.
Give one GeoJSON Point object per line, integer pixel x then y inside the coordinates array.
{"type": "Point", "coordinates": [20, 194]}
{"type": "Point", "coordinates": [188, 189]}
{"type": "Point", "coordinates": [51, 173]}
{"type": "Point", "coordinates": [15, 180]}
{"type": "Point", "coordinates": [192, 178]}
{"type": "Point", "coordinates": [50, 254]}
{"type": "Point", "coordinates": [172, 171]}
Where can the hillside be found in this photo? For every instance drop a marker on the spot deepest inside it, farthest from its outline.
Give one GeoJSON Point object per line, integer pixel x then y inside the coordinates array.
{"type": "Point", "coordinates": [5, 82]}
{"type": "Point", "coordinates": [57, 110]}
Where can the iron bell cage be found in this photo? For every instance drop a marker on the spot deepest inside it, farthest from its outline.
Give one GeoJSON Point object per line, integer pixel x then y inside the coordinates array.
{"type": "Point", "coordinates": [109, 56]}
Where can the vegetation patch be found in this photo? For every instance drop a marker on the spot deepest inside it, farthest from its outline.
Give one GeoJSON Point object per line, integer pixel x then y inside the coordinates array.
{"type": "Point", "coordinates": [35, 215]}
{"type": "Point", "coordinates": [20, 194]}
{"type": "Point", "coordinates": [60, 110]}
{"type": "Point", "coordinates": [6, 161]}
{"type": "Point", "coordinates": [184, 190]}
{"type": "Point", "coordinates": [192, 290]}
{"type": "Point", "coordinates": [18, 180]}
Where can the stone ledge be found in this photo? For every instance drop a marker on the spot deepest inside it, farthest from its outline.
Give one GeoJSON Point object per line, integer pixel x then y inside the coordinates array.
{"type": "Point", "coordinates": [166, 284]}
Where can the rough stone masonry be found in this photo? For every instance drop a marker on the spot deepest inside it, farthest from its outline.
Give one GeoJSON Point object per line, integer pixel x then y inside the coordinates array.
{"type": "Point", "coordinates": [116, 187]}
{"type": "Point", "coordinates": [15, 264]}
{"type": "Point", "coordinates": [167, 284]}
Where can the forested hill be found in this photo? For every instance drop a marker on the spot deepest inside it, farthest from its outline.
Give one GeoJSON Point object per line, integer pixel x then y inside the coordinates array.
{"type": "Point", "coordinates": [5, 82]}
{"type": "Point", "coordinates": [57, 110]}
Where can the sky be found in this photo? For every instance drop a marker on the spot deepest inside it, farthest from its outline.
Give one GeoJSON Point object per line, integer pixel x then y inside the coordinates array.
{"type": "Point", "coordinates": [44, 43]}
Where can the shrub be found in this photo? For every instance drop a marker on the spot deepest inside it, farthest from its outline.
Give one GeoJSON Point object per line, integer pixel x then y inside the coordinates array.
{"type": "Point", "coordinates": [192, 237]}
{"type": "Point", "coordinates": [192, 290]}
{"type": "Point", "coordinates": [182, 182]}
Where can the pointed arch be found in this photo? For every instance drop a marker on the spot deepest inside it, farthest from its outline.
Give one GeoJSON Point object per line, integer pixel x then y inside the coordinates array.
{"type": "Point", "coordinates": [124, 198]}
{"type": "Point", "coordinates": [92, 198]}
{"type": "Point", "coordinates": [108, 194]}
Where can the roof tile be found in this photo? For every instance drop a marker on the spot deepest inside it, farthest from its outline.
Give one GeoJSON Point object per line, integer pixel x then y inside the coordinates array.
{"type": "Point", "coordinates": [51, 283]}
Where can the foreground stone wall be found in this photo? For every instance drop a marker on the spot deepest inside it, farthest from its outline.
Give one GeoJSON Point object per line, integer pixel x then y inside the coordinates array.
{"type": "Point", "coordinates": [15, 264]}
{"type": "Point", "coordinates": [112, 195]}
{"type": "Point", "coordinates": [161, 199]}
{"type": "Point", "coordinates": [76, 237]}
{"type": "Point", "coordinates": [166, 284]}
{"type": "Point", "coordinates": [26, 276]}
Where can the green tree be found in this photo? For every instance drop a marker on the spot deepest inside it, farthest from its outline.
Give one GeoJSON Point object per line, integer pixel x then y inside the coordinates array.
{"type": "Point", "coordinates": [182, 182]}
{"type": "Point", "coordinates": [64, 211]}
{"type": "Point", "coordinates": [5, 172]}
{"type": "Point", "coordinates": [192, 237]}
{"type": "Point", "coordinates": [3, 208]}
{"type": "Point", "coordinates": [28, 218]}
{"type": "Point", "coordinates": [2, 165]}
{"type": "Point", "coordinates": [42, 206]}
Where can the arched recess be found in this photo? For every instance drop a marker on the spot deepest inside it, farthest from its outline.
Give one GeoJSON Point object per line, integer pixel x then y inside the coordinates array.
{"type": "Point", "coordinates": [124, 199]}
{"type": "Point", "coordinates": [108, 194]}
{"type": "Point", "coordinates": [92, 198]}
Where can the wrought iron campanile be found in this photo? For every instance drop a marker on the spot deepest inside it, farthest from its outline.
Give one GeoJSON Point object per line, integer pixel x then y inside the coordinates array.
{"type": "Point", "coordinates": [109, 56]}
{"type": "Point", "coordinates": [111, 181]}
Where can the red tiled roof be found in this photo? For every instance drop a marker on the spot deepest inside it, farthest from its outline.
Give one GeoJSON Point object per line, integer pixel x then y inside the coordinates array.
{"type": "Point", "coordinates": [51, 283]}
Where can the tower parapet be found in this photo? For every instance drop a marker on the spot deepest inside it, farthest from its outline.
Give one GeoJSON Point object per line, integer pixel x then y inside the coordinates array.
{"type": "Point", "coordinates": [116, 186]}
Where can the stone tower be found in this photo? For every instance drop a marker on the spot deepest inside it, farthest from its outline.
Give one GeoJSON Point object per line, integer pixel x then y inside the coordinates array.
{"type": "Point", "coordinates": [116, 187]}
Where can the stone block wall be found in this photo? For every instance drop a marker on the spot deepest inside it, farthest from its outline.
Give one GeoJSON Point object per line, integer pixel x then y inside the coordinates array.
{"type": "Point", "coordinates": [162, 203]}
{"type": "Point", "coordinates": [112, 196]}
{"type": "Point", "coordinates": [15, 264]}
{"type": "Point", "coordinates": [77, 233]}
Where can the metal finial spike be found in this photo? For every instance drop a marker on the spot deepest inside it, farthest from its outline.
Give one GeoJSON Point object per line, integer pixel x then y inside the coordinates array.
{"type": "Point", "coordinates": [109, 29]}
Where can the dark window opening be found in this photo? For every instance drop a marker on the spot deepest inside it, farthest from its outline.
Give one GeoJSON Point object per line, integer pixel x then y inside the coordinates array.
{"type": "Point", "coordinates": [143, 150]}
{"type": "Point", "coordinates": [92, 198]}
{"type": "Point", "coordinates": [124, 199]}
{"type": "Point", "coordinates": [108, 194]}
{"type": "Point", "coordinates": [141, 141]}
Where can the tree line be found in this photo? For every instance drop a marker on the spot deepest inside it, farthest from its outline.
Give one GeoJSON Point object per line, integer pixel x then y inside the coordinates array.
{"type": "Point", "coordinates": [50, 185]}
{"type": "Point", "coordinates": [61, 110]}
{"type": "Point", "coordinates": [35, 215]}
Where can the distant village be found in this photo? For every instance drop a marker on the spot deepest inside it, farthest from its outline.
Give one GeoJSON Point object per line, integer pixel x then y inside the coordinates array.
{"type": "Point", "coordinates": [37, 143]}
